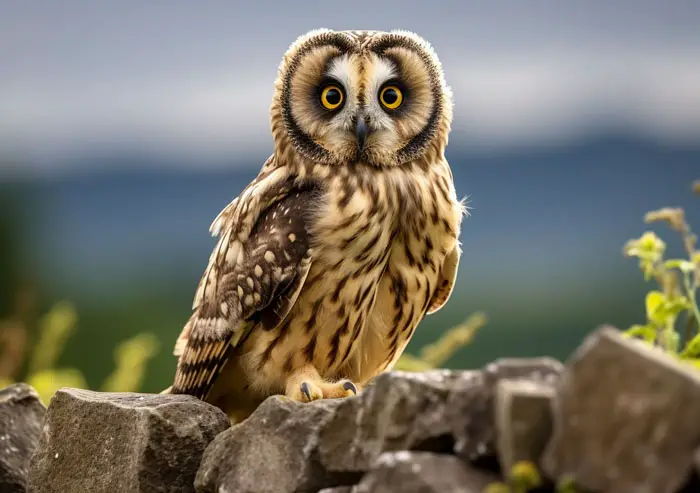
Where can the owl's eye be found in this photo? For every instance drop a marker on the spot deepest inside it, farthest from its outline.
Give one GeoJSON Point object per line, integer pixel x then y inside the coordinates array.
{"type": "Point", "coordinates": [391, 97]}
{"type": "Point", "coordinates": [332, 97]}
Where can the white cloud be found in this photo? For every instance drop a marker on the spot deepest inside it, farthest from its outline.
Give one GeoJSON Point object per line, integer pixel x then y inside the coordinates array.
{"type": "Point", "coordinates": [538, 99]}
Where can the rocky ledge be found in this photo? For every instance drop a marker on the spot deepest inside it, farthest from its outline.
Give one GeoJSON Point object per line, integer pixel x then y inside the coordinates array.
{"type": "Point", "coordinates": [618, 417]}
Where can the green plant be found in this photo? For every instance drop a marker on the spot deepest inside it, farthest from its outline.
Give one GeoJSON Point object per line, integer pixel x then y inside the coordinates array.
{"type": "Point", "coordinates": [54, 330]}
{"type": "Point", "coordinates": [524, 477]}
{"type": "Point", "coordinates": [436, 354]}
{"type": "Point", "coordinates": [678, 280]}
{"type": "Point", "coordinates": [521, 478]}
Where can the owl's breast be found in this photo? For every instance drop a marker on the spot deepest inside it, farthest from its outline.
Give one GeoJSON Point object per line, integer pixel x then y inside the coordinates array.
{"type": "Point", "coordinates": [376, 258]}
{"type": "Point", "coordinates": [354, 225]}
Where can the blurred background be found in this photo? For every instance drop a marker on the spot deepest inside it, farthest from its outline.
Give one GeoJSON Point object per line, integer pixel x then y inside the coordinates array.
{"type": "Point", "coordinates": [126, 127]}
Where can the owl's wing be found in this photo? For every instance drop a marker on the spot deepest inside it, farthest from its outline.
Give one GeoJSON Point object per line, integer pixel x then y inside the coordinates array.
{"type": "Point", "coordinates": [253, 277]}
{"type": "Point", "coordinates": [446, 281]}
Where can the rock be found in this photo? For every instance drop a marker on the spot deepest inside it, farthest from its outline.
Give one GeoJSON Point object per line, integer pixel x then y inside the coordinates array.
{"type": "Point", "coordinates": [21, 416]}
{"type": "Point", "coordinates": [337, 489]}
{"type": "Point", "coordinates": [523, 421]}
{"type": "Point", "coordinates": [107, 442]}
{"type": "Point", "coordinates": [273, 450]}
{"type": "Point", "coordinates": [625, 418]}
{"type": "Point", "coordinates": [422, 472]}
{"type": "Point", "coordinates": [399, 411]}
{"type": "Point", "coordinates": [434, 411]}
{"type": "Point", "coordinates": [471, 404]}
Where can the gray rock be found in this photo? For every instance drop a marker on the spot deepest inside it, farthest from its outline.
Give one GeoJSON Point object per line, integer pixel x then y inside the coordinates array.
{"type": "Point", "coordinates": [435, 411]}
{"type": "Point", "coordinates": [21, 416]}
{"type": "Point", "coordinates": [106, 442]}
{"type": "Point", "coordinates": [471, 404]}
{"type": "Point", "coordinates": [337, 489]}
{"type": "Point", "coordinates": [625, 418]}
{"type": "Point", "coordinates": [272, 451]}
{"type": "Point", "coordinates": [523, 421]}
{"type": "Point", "coordinates": [400, 411]}
{"type": "Point", "coordinates": [422, 472]}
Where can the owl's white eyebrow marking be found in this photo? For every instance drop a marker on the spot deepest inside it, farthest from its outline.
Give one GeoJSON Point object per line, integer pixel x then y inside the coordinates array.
{"type": "Point", "coordinates": [340, 69]}
{"type": "Point", "coordinates": [382, 71]}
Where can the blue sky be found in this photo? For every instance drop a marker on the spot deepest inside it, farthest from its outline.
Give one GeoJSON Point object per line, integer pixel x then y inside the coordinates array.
{"type": "Point", "coordinates": [195, 78]}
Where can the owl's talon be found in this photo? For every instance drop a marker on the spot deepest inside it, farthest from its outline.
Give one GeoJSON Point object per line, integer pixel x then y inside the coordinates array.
{"type": "Point", "coordinates": [305, 390]}
{"type": "Point", "coordinates": [338, 390]}
{"type": "Point", "coordinates": [350, 387]}
{"type": "Point", "coordinates": [310, 392]}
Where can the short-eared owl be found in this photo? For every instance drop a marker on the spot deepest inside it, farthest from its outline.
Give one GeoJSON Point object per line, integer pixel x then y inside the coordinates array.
{"type": "Point", "coordinates": [328, 260]}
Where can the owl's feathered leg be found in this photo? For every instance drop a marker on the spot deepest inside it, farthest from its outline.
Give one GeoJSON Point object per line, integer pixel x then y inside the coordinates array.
{"type": "Point", "coordinates": [306, 385]}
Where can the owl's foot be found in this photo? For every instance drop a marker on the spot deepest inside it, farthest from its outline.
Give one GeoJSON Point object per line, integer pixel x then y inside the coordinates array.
{"type": "Point", "coordinates": [310, 391]}
{"type": "Point", "coordinates": [306, 385]}
{"type": "Point", "coordinates": [336, 390]}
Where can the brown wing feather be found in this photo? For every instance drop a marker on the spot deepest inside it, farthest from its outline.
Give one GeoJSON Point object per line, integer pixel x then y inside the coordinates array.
{"type": "Point", "coordinates": [258, 284]}
{"type": "Point", "coordinates": [446, 281]}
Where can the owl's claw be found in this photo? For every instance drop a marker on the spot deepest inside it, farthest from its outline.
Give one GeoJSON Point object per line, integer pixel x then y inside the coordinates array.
{"type": "Point", "coordinates": [350, 387]}
{"type": "Point", "coordinates": [307, 385]}
{"type": "Point", "coordinates": [343, 388]}
{"type": "Point", "coordinates": [310, 392]}
{"type": "Point", "coordinates": [305, 390]}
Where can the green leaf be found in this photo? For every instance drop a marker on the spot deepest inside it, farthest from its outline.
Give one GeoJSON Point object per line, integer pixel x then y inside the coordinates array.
{"type": "Point", "coordinates": [525, 476]}
{"type": "Point", "coordinates": [677, 305]}
{"type": "Point", "coordinates": [663, 311]}
{"type": "Point", "coordinates": [692, 349]}
{"type": "Point", "coordinates": [647, 247]}
{"type": "Point", "coordinates": [653, 302]}
{"type": "Point", "coordinates": [684, 266]}
{"type": "Point", "coordinates": [645, 332]}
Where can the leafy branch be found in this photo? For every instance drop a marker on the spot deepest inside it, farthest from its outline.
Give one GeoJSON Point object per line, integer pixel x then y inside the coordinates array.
{"type": "Point", "coordinates": [678, 280]}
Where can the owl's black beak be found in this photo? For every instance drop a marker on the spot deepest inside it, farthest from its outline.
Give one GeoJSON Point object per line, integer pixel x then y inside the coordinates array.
{"type": "Point", "coordinates": [361, 131]}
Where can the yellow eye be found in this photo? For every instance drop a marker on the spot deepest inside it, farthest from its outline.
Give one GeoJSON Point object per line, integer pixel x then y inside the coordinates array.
{"type": "Point", "coordinates": [391, 97]}
{"type": "Point", "coordinates": [331, 97]}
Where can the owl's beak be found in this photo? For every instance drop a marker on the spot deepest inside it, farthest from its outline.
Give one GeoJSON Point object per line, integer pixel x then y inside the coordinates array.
{"type": "Point", "coordinates": [361, 131]}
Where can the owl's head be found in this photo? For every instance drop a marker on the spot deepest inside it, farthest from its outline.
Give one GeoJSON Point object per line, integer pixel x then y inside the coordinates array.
{"type": "Point", "coordinates": [344, 97]}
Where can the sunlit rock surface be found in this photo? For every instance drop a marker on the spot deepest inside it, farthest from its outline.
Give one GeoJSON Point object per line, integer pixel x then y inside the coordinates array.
{"type": "Point", "coordinates": [107, 442]}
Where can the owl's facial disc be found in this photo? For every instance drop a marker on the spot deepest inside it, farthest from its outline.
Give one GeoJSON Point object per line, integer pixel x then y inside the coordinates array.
{"type": "Point", "coordinates": [378, 105]}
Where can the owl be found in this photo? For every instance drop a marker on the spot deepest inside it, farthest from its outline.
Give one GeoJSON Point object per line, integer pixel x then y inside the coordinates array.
{"type": "Point", "coordinates": [346, 239]}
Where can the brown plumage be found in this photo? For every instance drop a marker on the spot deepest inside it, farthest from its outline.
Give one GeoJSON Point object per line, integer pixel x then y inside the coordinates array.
{"type": "Point", "coordinates": [329, 259]}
